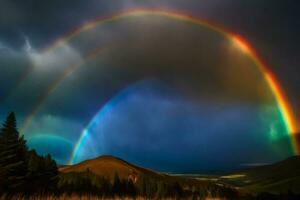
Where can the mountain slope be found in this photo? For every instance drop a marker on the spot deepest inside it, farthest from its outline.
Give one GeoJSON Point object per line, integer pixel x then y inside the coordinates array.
{"type": "Point", "coordinates": [283, 176]}
{"type": "Point", "coordinates": [107, 166]}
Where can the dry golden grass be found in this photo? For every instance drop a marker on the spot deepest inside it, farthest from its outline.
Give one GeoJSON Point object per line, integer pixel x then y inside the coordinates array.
{"type": "Point", "coordinates": [76, 197]}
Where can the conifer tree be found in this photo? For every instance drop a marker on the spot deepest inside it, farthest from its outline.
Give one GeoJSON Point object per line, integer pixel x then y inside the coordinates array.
{"type": "Point", "coordinates": [13, 164]}
{"type": "Point", "coordinates": [42, 172]}
{"type": "Point", "coordinates": [50, 171]}
{"type": "Point", "coordinates": [130, 188]}
{"type": "Point", "coordinates": [116, 189]}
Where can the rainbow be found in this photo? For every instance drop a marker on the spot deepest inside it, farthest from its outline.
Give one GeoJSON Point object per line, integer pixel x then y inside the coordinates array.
{"type": "Point", "coordinates": [282, 102]}
{"type": "Point", "coordinates": [91, 127]}
{"type": "Point", "coordinates": [47, 136]}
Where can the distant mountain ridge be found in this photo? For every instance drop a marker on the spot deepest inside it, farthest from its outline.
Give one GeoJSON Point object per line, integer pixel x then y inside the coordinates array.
{"type": "Point", "coordinates": [282, 169]}
{"type": "Point", "coordinates": [279, 177]}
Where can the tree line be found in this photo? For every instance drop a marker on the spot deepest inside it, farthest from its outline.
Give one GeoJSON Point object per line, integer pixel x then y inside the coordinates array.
{"type": "Point", "coordinates": [24, 172]}
{"type": "Point", "coordinates": [88, 183]}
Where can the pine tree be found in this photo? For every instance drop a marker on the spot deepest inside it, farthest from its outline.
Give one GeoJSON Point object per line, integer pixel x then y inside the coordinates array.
{"type": "Point", "coordinates": [116, 189]}
{"type": "Point", "coordinates": [50, 171]}
{"type": "Point", "coordinates": [130, 189]}
{"type": "Point", "coordinates": [13, 164]}
{"type": "Point", "coordinates": [161, 189]}
{"type": "Point", "coordinates": [34, 171]}
{"type": "Point", "coordinates": [42, 173]}
{"type": "Point", "coordinates": [142, 185]}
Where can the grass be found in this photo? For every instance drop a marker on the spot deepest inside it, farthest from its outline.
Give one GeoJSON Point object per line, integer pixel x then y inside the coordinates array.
{"type": "Point", "coordinates": [276, 187]}
{"type": "Point", "coordinates": [86, 197]}
{"type": "Point", "coordinates": [234, 176]}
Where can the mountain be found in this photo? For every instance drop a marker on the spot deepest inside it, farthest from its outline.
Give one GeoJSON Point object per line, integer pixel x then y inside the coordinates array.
{"type": "Point", "coordinates": [135, 180]}
{"type": "Point", "coordinates": [107, 166]}
{"type": "Point", "coordinates": [280, 177]}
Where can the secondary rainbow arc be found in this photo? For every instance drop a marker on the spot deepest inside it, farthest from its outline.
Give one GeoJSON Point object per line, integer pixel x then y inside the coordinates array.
{"type": "Point", "coordinates": [55, 85]}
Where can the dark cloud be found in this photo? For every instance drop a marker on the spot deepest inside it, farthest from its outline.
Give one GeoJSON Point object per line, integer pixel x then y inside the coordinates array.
{"type": "Point", "coordinates": [15, 66]}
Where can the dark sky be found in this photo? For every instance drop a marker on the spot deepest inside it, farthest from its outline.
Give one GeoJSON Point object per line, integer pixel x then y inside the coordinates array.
{"type": "Point", "coordinates": [152, 61]}
{"type": "Point", "coordinates": [272, 26]}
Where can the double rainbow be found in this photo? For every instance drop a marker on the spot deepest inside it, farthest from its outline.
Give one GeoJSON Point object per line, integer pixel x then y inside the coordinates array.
{"type": "Point", "coordinates": [282, 102]}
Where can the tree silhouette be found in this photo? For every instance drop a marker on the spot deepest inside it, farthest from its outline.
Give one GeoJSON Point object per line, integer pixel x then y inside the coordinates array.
{"type": "Point", "coordinates": [130, 189]}
{"type": "Point", "coordinates": [13, 162]}
{"type": "Point", "coordinates": [42, 173]}
{"type": "Point", "coordinates": [23, 171]}
{"type": "Point", "coordinates": [116, 188]}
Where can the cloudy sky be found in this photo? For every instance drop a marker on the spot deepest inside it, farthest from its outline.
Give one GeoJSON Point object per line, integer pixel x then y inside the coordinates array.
{"type": "Point", "coordinates": [166, 94]}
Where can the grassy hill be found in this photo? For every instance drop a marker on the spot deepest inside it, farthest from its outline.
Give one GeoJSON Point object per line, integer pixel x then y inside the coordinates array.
{"type": "Point", "coordinates": [276, 178]}
{"type": "Point", "coordinates": [280, 177]}
{"type": "Point", "coordinates": [98, 175]}
{"type": "Point", "coordinates": [107, 166]}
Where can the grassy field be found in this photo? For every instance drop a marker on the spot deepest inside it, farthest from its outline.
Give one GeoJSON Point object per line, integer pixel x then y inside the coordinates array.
{"type": "Point", "coordinates": [76, 197]}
